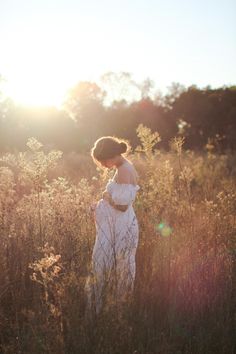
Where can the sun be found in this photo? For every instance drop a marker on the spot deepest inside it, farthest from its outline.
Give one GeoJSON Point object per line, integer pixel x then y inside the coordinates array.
{"type": "Point", "coordinates": [39, 72]}
{"type": "Point", "coordinates": [44, 64]}
{"type": "Point", "coordinates": [38, 89]}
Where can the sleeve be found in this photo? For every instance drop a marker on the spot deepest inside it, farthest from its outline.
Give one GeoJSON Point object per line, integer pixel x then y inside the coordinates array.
{"type": "Point", "coordinates": [123, 194]}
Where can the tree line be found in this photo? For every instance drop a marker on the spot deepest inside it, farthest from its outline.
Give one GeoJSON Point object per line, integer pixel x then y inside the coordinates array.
{"type": "Point", "coordinates": [117, 107]}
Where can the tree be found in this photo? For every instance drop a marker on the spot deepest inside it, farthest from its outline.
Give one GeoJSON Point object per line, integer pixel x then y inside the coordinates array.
{"type": "Point", "coordinates": [84, 103]}
{"type": "Point", "coordinates": [119, 87]}
{"type": "Point", "coordinates": [207, 112]}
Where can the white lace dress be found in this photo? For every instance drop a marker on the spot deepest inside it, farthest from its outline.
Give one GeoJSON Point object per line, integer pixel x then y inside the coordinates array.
{"type": "Point", "coordinates": [113, 258]}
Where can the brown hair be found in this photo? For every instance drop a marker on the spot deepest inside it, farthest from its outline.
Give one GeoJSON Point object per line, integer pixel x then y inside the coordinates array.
{"type": "Point", "coordinates": [108, 147]}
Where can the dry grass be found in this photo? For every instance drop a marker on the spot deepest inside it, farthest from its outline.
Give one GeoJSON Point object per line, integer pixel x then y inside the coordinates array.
{"type": "Point", "coordinates": [184, 296]}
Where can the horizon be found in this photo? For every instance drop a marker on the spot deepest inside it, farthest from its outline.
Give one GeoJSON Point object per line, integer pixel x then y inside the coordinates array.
{"type": "Point", "coordinates": [48, 49]}
{"type": "Point", "coordinates": [60, 107]}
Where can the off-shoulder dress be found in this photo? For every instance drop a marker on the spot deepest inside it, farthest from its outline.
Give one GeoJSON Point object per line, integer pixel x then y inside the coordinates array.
{"type": "Point", "coordinates": [113, 258]}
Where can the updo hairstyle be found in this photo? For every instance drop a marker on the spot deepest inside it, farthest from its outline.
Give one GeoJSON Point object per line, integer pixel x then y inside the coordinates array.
{"type": "Point", "coordinates": [108, 147]}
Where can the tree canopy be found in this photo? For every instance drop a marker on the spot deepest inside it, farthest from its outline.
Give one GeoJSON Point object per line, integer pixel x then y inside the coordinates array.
{"type": "Point", "coordinates": [117, 106]}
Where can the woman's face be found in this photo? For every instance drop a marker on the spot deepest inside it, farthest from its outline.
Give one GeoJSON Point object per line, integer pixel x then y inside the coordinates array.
{"type": "Point", "coordinates": [108, 163]}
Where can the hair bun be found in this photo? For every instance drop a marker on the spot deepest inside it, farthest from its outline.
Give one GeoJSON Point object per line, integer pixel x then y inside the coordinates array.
{"type": "Point", "coordinates": [123, 147]}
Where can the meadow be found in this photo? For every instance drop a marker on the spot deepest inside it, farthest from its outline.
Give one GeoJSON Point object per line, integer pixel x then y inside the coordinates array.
{"type": "Point", "coordinates": [185, 291]}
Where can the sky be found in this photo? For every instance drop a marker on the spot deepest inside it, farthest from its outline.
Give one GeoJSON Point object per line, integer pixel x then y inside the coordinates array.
{"type": "Point", "coordinates": [49, 46]}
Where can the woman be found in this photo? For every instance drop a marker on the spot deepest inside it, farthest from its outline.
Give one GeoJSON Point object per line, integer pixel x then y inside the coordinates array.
{"type": "Point", "coordinates": [117, 231]}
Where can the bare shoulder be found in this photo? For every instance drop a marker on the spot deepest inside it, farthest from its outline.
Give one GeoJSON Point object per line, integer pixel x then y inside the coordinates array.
{"type": "Point", "coordinates": [127, 173]}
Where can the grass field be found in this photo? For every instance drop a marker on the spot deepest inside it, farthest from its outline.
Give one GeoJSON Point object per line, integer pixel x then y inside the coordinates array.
{"type": "Point", "coordinates": [184, 296]}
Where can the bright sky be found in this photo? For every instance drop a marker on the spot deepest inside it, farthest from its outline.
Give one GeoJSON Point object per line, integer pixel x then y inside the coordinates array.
{"type": "Point", "coordinates": [48, 46]}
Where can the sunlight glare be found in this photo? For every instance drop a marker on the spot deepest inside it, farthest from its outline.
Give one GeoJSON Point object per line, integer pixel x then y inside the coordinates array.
{"type": "Point", "coordinates": [41, 69]}
{"type": "Point", "coordinates": [163, 229]}
{"type": "Point", "coordinates": [37, 92]}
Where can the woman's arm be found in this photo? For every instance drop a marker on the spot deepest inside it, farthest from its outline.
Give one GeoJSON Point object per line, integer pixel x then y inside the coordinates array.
{"type": "Point", "coordinates": [121, 207]}
{"type": "Point", "coordinates": [108, 197]}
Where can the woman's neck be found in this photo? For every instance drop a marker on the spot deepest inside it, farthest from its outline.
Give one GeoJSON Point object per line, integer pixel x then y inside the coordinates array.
{"type": "Point", "coordinates": [120, 161]}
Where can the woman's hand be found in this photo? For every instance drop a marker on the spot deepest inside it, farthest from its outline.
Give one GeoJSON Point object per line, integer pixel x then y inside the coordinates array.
{"type": "Point", "coordinates": [108, 197]}
{"type": "Point", "coordinates": [92, 209]}
{"type": "Point", "coordinates": [93, 206]}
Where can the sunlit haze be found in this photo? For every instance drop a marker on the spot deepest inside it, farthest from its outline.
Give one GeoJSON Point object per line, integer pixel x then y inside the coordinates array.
{"type": "Point", "coordinates": [48, 46]}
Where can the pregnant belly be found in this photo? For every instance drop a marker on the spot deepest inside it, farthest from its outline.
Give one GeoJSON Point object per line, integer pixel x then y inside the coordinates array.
{"type": "Point", "coordinates": [104, 211]}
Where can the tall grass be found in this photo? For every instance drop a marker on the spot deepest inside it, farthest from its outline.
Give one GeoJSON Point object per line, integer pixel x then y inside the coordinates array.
{"type": "Point", "coordinates": [184, 295]}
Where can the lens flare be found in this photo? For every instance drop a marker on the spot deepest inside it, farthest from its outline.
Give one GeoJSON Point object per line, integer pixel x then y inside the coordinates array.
{"type": "Point", "coordinates": [163, 229]}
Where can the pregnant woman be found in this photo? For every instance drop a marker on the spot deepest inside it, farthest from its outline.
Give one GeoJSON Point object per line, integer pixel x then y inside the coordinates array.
{"type": "Point", "coordinates": [117, 231]}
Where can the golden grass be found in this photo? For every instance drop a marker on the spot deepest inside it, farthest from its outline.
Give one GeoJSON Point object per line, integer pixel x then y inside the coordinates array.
{"type": "Point", "coordinates": [184, 295]}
